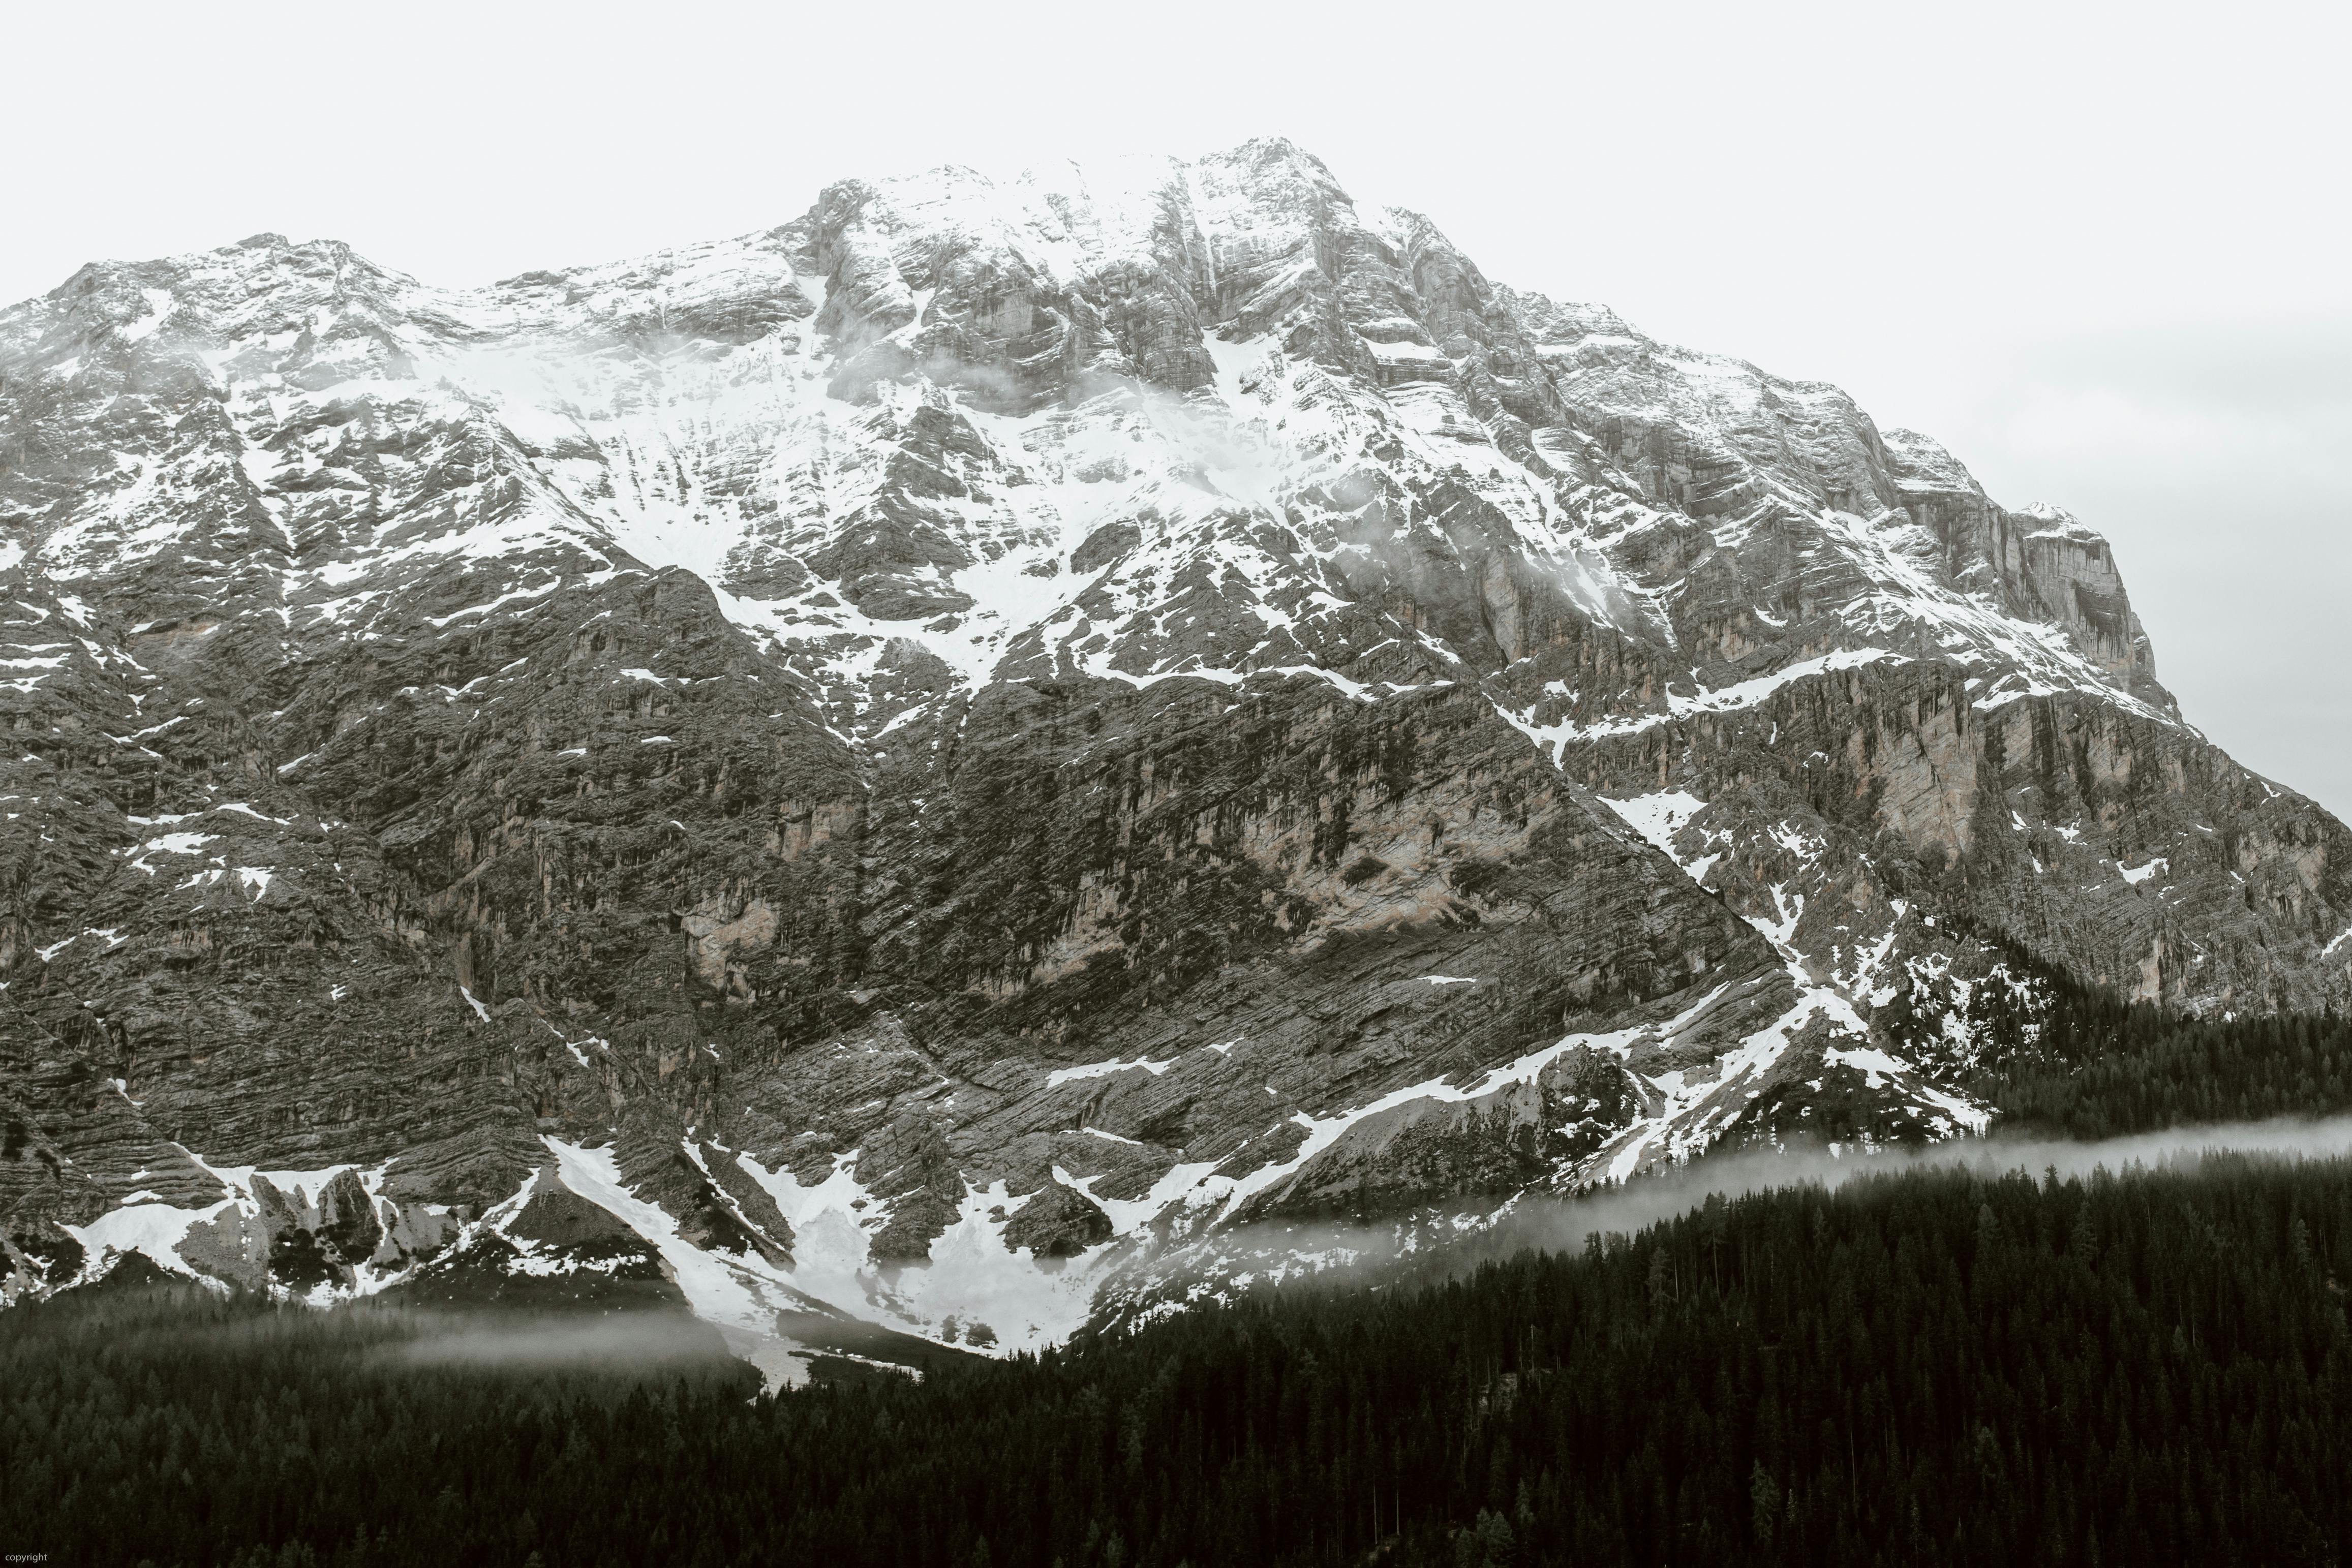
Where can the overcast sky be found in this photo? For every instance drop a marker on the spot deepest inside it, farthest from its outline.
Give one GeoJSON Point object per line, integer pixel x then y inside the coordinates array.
{"type": "Point", "coordinates": [2099, 251]}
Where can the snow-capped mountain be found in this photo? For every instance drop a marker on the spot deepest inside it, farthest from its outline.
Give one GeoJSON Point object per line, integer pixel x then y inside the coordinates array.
{"type": "Point", "coordinates": [903, 755]}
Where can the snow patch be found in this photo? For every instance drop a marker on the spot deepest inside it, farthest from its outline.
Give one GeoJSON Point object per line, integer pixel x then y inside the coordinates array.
{"type": "Point", "coordinates": [1062, 1075]}
{"type": "Point", "coordinates": [1659, 817]}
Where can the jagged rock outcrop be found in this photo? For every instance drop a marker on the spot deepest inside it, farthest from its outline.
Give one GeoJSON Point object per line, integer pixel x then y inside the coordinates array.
{"type": "Point", "coordinates": [904, 752]}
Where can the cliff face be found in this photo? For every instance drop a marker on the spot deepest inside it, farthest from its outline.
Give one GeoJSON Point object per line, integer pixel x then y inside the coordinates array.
{"type": "Point", "coordinates": [903, 754]}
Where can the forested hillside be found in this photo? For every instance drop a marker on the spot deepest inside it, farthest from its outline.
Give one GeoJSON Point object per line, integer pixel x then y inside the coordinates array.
{"type": "Point", "coordinates": [2097, 1066]}
{"type": "Point", "coordinates": [1929, 1368]}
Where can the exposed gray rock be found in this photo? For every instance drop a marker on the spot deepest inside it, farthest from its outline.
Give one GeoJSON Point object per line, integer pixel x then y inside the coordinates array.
{"type": "Point", "coordinates": [1058, 1222]}
{"type": "Point", "coordinates": [1032, 712]}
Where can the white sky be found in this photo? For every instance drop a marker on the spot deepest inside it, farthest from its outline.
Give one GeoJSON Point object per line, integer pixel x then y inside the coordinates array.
{"type": "Point", "coordinates": [2100, 251]}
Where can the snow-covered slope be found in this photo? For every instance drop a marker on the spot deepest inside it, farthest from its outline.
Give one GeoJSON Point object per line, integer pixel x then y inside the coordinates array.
{"type": "Point", "coordinates": [912, 755]}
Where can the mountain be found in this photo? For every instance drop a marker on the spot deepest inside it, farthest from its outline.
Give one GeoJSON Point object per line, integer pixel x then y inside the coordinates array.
{"type": "Point", "coordinates": [914, 757]}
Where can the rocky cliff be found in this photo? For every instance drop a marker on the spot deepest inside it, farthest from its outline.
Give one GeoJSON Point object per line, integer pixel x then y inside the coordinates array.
{"type": "Point", "coordinates": [908, 755]}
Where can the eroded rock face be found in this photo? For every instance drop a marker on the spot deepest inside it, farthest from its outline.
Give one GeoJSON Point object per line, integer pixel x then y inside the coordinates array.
{"type": "Point", "coordinates": [995, 717]}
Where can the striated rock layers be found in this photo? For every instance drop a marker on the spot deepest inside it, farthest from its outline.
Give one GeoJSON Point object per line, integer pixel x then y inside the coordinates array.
{"type": "Point", "coordinates": [902, 754]}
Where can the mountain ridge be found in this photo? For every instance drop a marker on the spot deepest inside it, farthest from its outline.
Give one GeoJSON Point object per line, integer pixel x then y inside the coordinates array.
{"type": "Point", "coordinates": [916, 753]}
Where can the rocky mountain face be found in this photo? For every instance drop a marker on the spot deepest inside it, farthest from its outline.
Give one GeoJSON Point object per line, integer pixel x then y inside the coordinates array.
{"type": "Point", "coordinates": [912, 756]}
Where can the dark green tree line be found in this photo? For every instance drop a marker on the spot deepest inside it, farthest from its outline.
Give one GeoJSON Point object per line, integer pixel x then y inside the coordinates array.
{"type": "Point", "coordinates": [1929, 1368]}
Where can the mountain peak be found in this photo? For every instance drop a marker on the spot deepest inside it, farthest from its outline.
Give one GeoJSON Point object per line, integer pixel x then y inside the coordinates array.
{"type": "Point", "coordinates": [1024, 721]}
